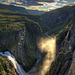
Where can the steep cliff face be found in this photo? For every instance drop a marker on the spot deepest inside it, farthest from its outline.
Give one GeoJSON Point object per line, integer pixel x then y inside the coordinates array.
{"type": "Point", "coordinates": [72, 67]}
{"type": "Point", "coordinates": [72, 48]}
{"type": "Point", "coordinates": [55, 20]}
{"type": "Point", "coordinates": [68, 44]}
{"type": "Point", "coordinates": [65, 60]}
{"type": "Point", "coordinates": [18, 34]}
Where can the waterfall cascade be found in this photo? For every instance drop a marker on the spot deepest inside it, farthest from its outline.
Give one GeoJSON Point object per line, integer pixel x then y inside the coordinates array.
{"type": "Point", "coordinates": [18, 67]}
{"type": "Point", "coordinates": [47, 45]}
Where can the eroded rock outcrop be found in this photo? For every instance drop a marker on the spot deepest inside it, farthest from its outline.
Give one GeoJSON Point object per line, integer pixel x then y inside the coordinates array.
{"type": "Point", "coordinates": [72, 67]}
{"type": "Point", "coordinates": [65, 60]}
{"type": "Point", "coordinates": [22, 43]}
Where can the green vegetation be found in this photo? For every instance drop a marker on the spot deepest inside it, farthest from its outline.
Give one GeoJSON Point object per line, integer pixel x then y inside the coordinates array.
{"type": "Point", "coordinates": [9, 28]}
{"type": "Point", "coordinates": [20, 31]}
{"type": "Point", "coordinates": [12, 8]}
{"type": "Point", "coordinates": [6, 67]}
{"type": "Point", "coordinates": [11, 23]}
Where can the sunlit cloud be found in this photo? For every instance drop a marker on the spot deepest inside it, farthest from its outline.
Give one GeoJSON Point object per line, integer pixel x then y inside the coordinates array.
{"type": "Point", "coordinates": [33, 7]}
{"type": "Point", "coordinates": [57, 0]}
{"type": "Point", "coordinates": [61, 1]}
{"type": "Point", "coordinates": [45, 7]}
{"type": "Point", "coordinates": [64, 1]}
{"type": "Point", "coordinates": [42, 6]}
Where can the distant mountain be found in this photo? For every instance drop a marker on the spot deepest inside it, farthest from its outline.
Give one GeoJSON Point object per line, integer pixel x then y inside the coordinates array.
{"type": "Point", "coordinates": [14, 8]}
{"type": "Point", "coordinates": [20, 9]}
{"type": "Point", "coordinates": [36, 12]}
{"type": "Point", "coordinates": [57, 19]}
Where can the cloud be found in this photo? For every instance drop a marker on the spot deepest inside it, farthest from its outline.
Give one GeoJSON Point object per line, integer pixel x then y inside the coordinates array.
{"type": "Point", "coordinates": [46, 6]}
{"type": "Point", "coordinates": [57, 0]}
{"type": "Point", "coordinates": [64, 1]}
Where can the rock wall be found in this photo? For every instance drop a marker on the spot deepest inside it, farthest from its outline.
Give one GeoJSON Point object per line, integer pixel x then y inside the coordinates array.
{"type": "Point", "coordinates": [22, 44]}
{"type": "Point", "coordinates": [72, 67]}
{"type": "Point", "coordinates": [65, 60]}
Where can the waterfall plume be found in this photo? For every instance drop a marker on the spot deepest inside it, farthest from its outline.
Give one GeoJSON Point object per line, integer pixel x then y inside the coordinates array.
{"type": "Point", "coordinates": [47, 45]}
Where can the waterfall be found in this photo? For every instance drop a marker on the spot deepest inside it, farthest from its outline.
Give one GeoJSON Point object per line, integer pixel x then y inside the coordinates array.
{"type": "Point", "coordinates": [18, 67]}
{"type": "Point", "coordinates": [46, 45]}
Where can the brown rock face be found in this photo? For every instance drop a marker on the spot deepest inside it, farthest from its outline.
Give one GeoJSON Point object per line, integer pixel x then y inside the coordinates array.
{"type": "Point", "coordinates": [65, 60]}
{"type": "Point", "coordinates": [72, 67]}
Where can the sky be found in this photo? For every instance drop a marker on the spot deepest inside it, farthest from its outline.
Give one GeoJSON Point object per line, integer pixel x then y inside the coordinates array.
{"type": "Point", "coordinates": [0, 1]}
{"type": "Point", "coordinates": [51, 6]}
{"type": "Point", "coordinates": [48, 6]}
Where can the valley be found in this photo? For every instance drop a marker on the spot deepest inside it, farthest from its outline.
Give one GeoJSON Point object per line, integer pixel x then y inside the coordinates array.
{"type": "Point", "coordinates": [40, 44]}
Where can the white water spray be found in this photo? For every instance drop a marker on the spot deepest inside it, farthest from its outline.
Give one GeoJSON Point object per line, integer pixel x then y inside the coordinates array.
{"type": "Point", "coordinates": [47, 45]}
{"type": "Point", "coordinates": [18, 68]}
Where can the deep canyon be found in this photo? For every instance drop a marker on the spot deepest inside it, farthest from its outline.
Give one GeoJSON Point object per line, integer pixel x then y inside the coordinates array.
{"type": "Point", "coordinates": [37, 44]}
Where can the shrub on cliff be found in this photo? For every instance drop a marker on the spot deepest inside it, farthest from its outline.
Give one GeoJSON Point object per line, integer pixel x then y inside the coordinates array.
{"type": "Point", "coordinates": [6, 67]}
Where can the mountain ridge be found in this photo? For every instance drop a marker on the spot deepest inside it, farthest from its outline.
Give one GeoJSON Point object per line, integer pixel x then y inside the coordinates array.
{"type": "Point", "coordinates": [13, 8]}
